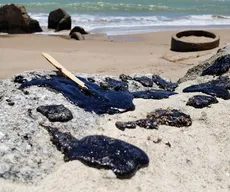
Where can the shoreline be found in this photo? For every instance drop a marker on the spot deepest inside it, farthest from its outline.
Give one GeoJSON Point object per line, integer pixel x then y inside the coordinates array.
{"type": "Point", "coordinates": [153, 29]}
{"type": "Point", "coordinates": [149, 29]}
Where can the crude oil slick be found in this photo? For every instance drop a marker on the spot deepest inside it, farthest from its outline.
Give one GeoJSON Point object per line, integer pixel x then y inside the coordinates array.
{"type": "Point", "coordinates": [201, 101]}
{"type": "Point", "coordinates": [171, 117]}
{"type": "Point", "coordinates": [109, 96]}
{"type": "Point", "coordinates": [100, 151]}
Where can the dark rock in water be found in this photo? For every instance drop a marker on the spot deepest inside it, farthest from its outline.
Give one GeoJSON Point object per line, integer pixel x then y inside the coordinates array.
{"type": "Point", "coordinates": [122, 125]}
{"type": "Point", "coordinates": [56, 113]}
{"type": "Point", "coordinates": [77, 36]}
{"type": "Point", "coordinates": [34, 26]}
{"type": "Point", "coordinates": [19, 79]}
{"type": "Point", "coordinates": [153, 94]}
{"type": "Point", "coordinates": [169, 86]}
{"type": "Point", "coordinates": [171, 117]}
{"type": "Point", "coordinates": [219, 67]}
{"type": "Point", "coordinates": [95, 99]}
{"type": "Point", "coordinates": [212, 90]}
{"type": "Point", "coordinates": [59, 20]}
{"type": "Point", "coordinates": [147, 123]}
{"type": "Point", "coordinates": [99, 151]}
{"type": "Point", "coordinates": [64, 23]}
{"type": "Point", "coordinates": [201, 101]}
{"type": "Point", "coordinates": [14, 19]}
{"type": "Point", "coordinates": [125, 78]}
{"type": "Point", "coordinates": [79, 30]}
{"type": "Point", "coordinates": [145, 81]}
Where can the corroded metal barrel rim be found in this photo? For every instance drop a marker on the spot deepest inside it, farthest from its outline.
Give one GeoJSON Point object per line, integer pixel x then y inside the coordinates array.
{"type": "Point", "coordinates": [177, 44]}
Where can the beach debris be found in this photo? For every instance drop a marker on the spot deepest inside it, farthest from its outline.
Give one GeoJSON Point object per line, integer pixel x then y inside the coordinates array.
{"type": "Point", "coordinates": [145, 81]}
{"type": "Point", "coordinates": [122, 125]}
{"type": "Point", "coordinates": [209, 89]}
{"type": "Point", "coordinates": [162, 83]}
{"type": "Point", "coordinates": [114, 84]}
{"type": "Point", "coordinates": [91, 79]}
{"type": "Point", "coordinates": [26, 92]}
{"type": "Point", "coordinates": [94, 99]}
{"type": "Point", "coordinates": [59, 20]}
{"type": "Point", "coordinates": [181, 42]}
{"type": "Point", "coordinates": [147, 123]}
{"type": "Point", "coordinates": [10, 102]}
{"type": "Point", "coordinates": [153, 94]}
{"type": "Point", "coordinates": [19, 79]}
{"type": "Point", "coordinates": [18, 21]}
{"type": "Point", "coordinates": [124, 77]}
{"type": "Point", "coordinates": [100, 151]}
{"type": "Point", "coordinates": [171, 117]}
{"type": "Point", "coordinates": [219, 67]}
{"type": "Point", "coordinates": [168, 144]}
{"type": "Point", "coordinates": [157, 140]}
{"type": "Point", "coordinates": [63, 70]}
{"type": "Point", "coordinates": [144, 123]}
{"type": "Point", "coordinates": [56, 113]}
{"type": "Point", "coordinates": [152, 82]}
{"type": "Point", "coordinates": [201, 101]}
{"type": "Point", "coordinates": [78, 29]}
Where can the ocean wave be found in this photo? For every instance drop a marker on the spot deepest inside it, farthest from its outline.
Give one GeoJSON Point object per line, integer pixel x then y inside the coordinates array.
{"type": "Point", "coordinates": [123, 24]}
{"type": "Point", "coordinates": [94, 20]}
{"type": "Point", "coordinates": [220, 17]}
{"type": "Point", "coordinates": [105, 8]}
{"type": "Point", "coordinates": [87, 7]}
{"type": "Point", "coordinates": [144, 6]}
{"type": "Point", "coordinates": [95, 6]}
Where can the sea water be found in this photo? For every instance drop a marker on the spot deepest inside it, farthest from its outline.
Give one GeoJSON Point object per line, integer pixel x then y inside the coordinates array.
{"type": "Point", "coordinates": [134, 16]}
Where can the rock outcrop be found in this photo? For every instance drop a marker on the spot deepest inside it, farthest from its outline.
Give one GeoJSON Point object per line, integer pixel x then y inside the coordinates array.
{"type": "Point", "coordinates": [79, 30]}
{"type": "Point", "coordinates": [78, 36]}
{"type": "Point", "coordinates": [59, 20]}
{"type": "Point", "coordinates": [14, 19]}
{"type": "Point", "coordinates": [196, 71]}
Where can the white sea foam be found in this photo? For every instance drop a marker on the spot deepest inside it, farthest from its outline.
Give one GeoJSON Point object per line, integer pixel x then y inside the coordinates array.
{"type": "Point", "coordinates": [137, 24]}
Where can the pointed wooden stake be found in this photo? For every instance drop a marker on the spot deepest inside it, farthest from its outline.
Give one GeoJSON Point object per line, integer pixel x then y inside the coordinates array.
{"type": "Point", "coordinates": [63, 70]}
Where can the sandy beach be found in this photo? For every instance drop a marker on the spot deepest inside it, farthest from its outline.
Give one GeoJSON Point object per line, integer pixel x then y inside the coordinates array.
{"type": "Point", "coordinates": [198, 159]}
{"type": "Point", "coordinates": [143, 53]}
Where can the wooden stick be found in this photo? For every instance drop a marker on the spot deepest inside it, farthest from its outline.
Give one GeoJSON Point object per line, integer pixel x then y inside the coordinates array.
{"type": "Point", "coordinates": [63, 70]}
